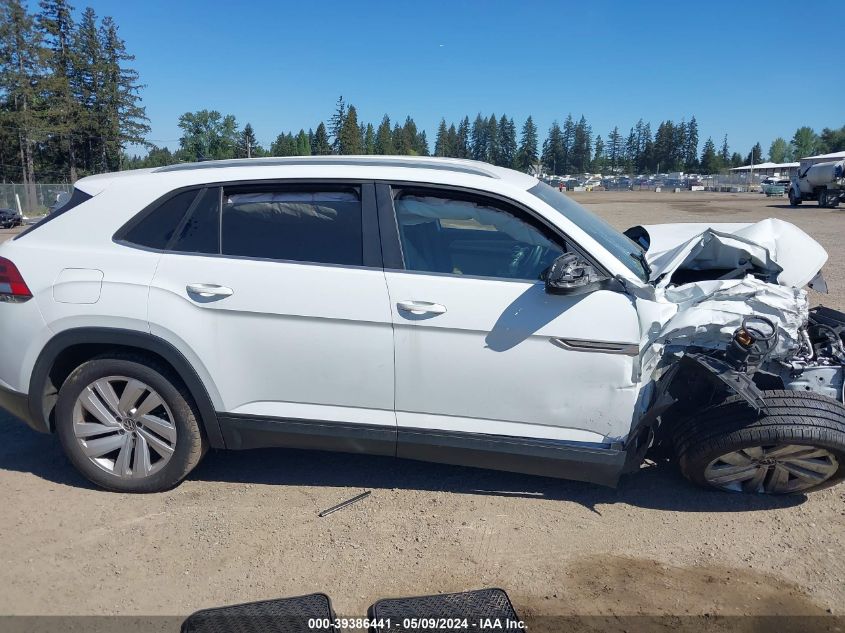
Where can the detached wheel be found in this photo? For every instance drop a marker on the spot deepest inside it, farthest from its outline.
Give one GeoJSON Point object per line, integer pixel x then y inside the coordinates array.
{"type": "Point", "coordinates": [797, 446]}
{"type": "Point", "coordinates": [793, 199]}
{"type": "Point", "coordinates": [128, 424]}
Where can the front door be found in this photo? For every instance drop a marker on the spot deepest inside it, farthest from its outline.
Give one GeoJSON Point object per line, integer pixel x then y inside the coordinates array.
{"type": "Point", "coordinates": [481, 348]}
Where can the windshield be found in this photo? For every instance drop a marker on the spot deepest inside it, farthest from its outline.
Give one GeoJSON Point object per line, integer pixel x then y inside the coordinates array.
{"type": "Point", "coordinates": [625, 250]}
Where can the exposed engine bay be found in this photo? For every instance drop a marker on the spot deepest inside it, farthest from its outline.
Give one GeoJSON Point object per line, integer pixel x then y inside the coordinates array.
{"type": "Point", "coordinates": [727, 302]}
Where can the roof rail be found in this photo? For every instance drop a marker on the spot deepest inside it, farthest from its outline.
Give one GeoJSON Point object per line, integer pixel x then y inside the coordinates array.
{"type": "Point", "coordinates": [465, 167]}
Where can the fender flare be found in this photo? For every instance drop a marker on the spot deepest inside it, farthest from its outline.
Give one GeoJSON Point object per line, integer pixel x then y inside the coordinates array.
{"type": "Point", "coordinates": [124, 338]}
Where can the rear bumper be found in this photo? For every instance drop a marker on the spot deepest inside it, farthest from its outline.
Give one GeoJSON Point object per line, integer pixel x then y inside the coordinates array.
{"type": "Point", "coordinates": [18, 405]}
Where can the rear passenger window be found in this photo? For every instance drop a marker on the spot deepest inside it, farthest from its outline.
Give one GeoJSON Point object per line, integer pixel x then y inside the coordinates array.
{"type": "Point", "coordinates": [157, 227]}
{"type": "Point", "coordinates": [321, 226]}
{"type": "Point", "coordinates": [201, 231]}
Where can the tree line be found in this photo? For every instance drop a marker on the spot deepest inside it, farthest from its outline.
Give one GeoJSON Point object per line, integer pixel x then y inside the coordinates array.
{"type": "Point", "coordinates": [69, 98]}
{"type": "Point", "coordinates": [567, 149]}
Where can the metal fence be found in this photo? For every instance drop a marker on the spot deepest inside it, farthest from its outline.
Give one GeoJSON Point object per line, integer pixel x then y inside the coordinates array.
{"type": "Point", "coordinates": [34, 199]}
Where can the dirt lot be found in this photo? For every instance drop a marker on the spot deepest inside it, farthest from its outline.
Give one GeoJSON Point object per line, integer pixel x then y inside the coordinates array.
{"type": "Point", "coordinates": [244, 526]}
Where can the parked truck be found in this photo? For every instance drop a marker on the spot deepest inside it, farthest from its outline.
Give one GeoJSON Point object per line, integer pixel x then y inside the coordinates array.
{"type": "Point", "coordinates": [820, 181]}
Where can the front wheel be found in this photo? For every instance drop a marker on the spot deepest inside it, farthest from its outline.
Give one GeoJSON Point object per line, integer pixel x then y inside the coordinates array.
{"type": "Point", "coordinates": [128, 424]}
{"type": "Point", "coordinates": [796, 446]}
{"type": "Point", "coordinates": [793, 199]}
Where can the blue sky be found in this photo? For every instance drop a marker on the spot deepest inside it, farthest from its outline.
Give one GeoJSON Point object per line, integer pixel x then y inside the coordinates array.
{"type": "Point", "coordinates": [748, 69]}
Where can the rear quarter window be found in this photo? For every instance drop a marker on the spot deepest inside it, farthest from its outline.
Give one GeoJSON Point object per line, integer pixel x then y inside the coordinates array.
{"type": "Point", "coordinates": [77, 197]}
{"type": "Point", "coordinates": [156, 228]}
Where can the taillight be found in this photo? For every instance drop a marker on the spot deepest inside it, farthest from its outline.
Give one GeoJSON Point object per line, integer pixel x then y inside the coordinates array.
{"type": "Point", "coordinates": [12, 286]}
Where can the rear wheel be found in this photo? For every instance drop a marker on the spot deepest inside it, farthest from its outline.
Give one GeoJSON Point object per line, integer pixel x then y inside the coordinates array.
{"type": "Point", "coordinates": [825, 199]}
{"type": "Point", "coordinates": [797, 445]}
{"type": "Point", "coordinates": [128, 425]}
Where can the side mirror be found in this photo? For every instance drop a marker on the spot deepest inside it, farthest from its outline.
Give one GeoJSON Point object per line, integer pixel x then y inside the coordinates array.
{"type": "Point", "coordinates": [570, 274]}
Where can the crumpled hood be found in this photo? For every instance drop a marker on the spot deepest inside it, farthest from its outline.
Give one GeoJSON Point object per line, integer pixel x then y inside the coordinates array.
{"type": "Point", "coordinates": [772, 245]}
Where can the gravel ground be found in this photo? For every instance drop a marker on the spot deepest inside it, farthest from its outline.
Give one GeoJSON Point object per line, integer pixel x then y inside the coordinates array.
{"type": "Point", "coordinates": [244, 526]}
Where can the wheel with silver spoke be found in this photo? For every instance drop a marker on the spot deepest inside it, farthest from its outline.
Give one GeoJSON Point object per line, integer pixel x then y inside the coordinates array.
{"type": "Point", "coordinates": [128, 425]}
{"type": "Point", "coordinates": [777, 469]}
{"type": "Point", "coordinates": [795, 445]}
{"type": "Point", "coordinates": [124, 427]}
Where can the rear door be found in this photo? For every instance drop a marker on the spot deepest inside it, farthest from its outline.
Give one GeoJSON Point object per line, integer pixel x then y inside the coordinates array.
{"type": "Point", "coordinates": [278, 291]}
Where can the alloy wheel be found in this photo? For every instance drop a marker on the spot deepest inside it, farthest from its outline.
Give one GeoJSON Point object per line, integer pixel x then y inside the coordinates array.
{"type": "Point", "coordinates": [777, 469]}
{"type": "Point", "coordinates": [124, 427]}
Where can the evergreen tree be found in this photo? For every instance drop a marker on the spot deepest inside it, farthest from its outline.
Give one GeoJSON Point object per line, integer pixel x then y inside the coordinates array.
{"type": "Point", "coordinates": [527, 154]}
{"type": "Point", "coordinates": [615, 148]}
{"type": "Point", "coordinates": [369, 140]}
{"type": "Point", "coordinates": [22, 66]}
{"type": "Point", "coordinates": [736, 160]}
{"type": "Point", "coordinates": [507, 142]}
{"type": "Point", "coordinates": [284, 145]}
{"type": "Point", "coordinates": [691, 146]}
{"type": "Point", "coordinates": [321, 145]}
{"type": "Point", "coordinates": [56, 24]}
{"type": "Point", "coordinates": [665, 154]}
{"type": "Point", "coordinates": [384, 137]}
{"type": "Point", "coordinates": [755, 156]}
{"type": "Point", "coordinates": [679, 143]}
{"type": "Point", "coordinates": [401, 146]}
{"type": "Point", "coordinates": [303, 146]}
{"type": "Point", "coordinates": [494, 148]}
{"type": "Point", "coordinates": [598, 157]}
{"type": "Point", "coordinates": [478, 139]}
{"type": "Point", "coordinates": [452, 141]}
{"type": "Point", "coordinates": [567, 141]}
{"type": "Point", "coordinates": [553, 158]}
{"type": "Point", "coordinates": [409, 138]}
{"type": "Point", "coordinates": [124, 119]}
{"type": "Point", "coordinates": [421, 144]}
{"type": "Point", "coordinates": [646, 163]}
{"type": "Point", "coordinates": [636, 146]}
{"type": "Point", "coordinates": [247, 144]}
{"type": "Point", "coordinates": [724, 153]}
{"type": "Point", "coordinates": [582, 150]}
{"type": "Point", "coordinates": [709, 158]}
{"type": "Point", "coordinates": [441, 141]}
{"type": "Point", "coordinates": [632, 151]}
{"type": "Point", "coordinates": [336, 123]}
{"type": "Point", "coordinates": [350, 134]}
{"type": "Point", "coordinates": [462, 143]}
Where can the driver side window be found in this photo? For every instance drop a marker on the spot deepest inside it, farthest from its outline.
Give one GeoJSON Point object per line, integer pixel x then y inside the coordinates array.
{"type": "Point", "coordinates": [463, 236]}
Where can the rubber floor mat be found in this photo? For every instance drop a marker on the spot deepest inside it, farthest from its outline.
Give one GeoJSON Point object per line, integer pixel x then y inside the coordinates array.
{"type": "Point", "coordinates": [285, 615]}
{"type": "Point", "coordinates": [481, 610]}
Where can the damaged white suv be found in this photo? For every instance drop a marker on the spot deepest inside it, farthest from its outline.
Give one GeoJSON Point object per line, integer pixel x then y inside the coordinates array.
{"type": "Point", "coordinates": [431, 309]}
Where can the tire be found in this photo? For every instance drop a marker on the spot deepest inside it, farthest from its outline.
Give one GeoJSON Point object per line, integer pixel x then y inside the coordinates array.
{"type": "Point", "coordinates": [793, 199]}
{"type": "Point", "coordinates": [772, 442]}
{"type": "Point", "coordinates": [823, 199]}
{"type": "Point", "coordinates": [142, 471]}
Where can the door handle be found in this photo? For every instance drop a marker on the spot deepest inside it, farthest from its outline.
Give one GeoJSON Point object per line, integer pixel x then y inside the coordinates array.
{"type": "Point", "coordinates": [421, 307]}
{"type": "Point", "coordinates": [209, 290]}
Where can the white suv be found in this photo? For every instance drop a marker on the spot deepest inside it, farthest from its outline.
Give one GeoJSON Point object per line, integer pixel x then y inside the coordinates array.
{"type": "Point", "coordinates": [432, 309]}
